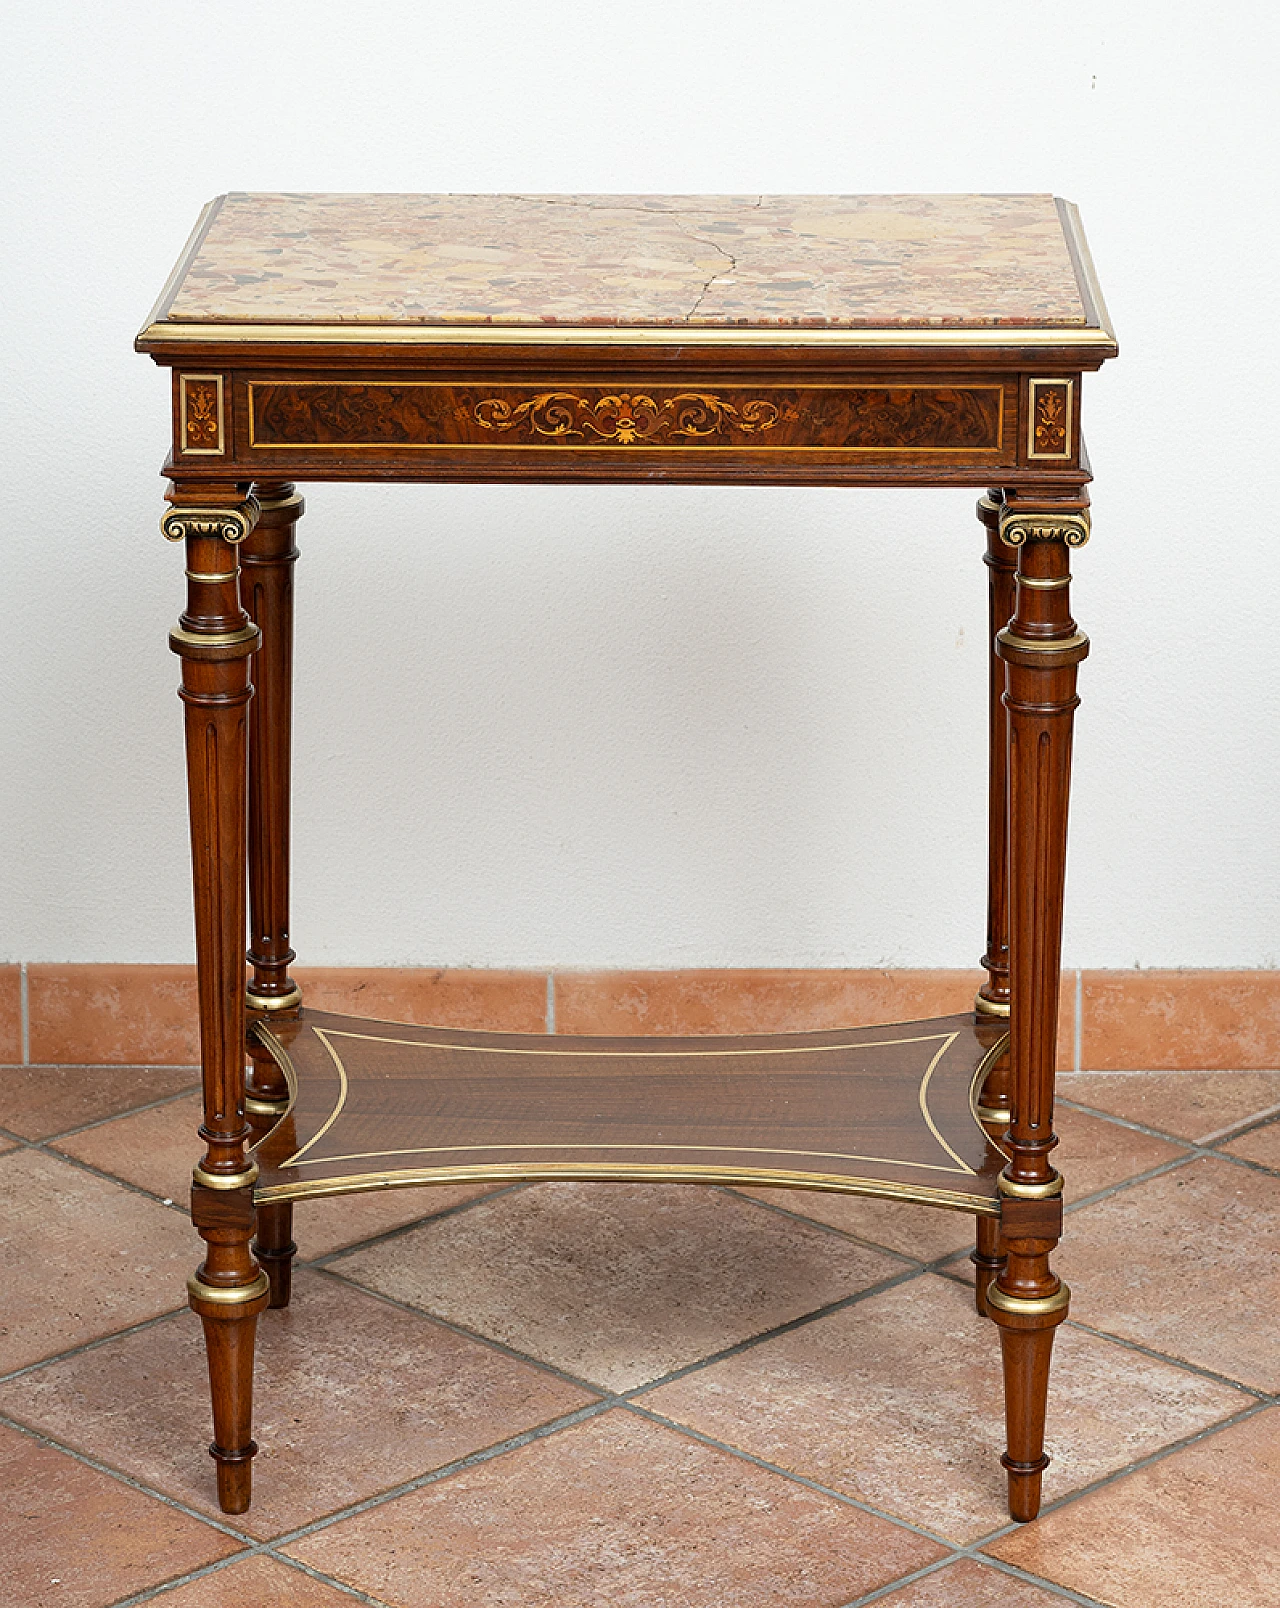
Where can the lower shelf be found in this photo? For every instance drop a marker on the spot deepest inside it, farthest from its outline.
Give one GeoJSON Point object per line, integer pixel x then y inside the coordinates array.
{"type": "Point", "coordinates": [885, 1110]}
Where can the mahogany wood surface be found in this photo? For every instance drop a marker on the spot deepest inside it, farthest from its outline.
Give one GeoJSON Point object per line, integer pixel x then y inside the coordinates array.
{"type": "Point", "coordinates": [332, 374]}
{"type": "Point", "coordinates": [873, 1110]}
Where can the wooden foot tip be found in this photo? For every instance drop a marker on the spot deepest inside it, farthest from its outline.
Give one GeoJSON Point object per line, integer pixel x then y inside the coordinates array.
{"type": "Point", "coordinates": [1024, 1491]}
{"type": "Point", "coordinates": [235, 1479]}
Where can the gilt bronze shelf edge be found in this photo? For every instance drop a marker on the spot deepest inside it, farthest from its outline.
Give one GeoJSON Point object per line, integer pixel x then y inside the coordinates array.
{"type": "Point", "coordinates": [361, 1183]}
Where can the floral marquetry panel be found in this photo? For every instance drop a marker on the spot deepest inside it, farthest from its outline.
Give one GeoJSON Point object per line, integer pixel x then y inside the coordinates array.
{"type": "Point", "coordinates": [837, 262]}
{"type": "Point", "coordinates": [324, 414]}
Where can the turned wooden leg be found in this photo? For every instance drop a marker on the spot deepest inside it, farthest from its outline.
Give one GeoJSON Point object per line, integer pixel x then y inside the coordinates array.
{"type": "Point", "coordinates": [992, 1002]}
{"type": "Point", "coordinates": [1041, 649]}
{"type": "Point", "coordinates": [214, 640]}
{"type": "Point", "coordinates": [267, 560]}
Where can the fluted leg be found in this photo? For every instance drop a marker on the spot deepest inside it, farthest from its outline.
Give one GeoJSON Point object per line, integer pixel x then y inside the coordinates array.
{"type": "Point", "coordinates": [214, 640]}
{"type": "Point", "coordinates": [992, 1002]}
{"type": "Point", "coordinates": [1041, 648]}
{"type": "Point", "coordinates": [268, 558]}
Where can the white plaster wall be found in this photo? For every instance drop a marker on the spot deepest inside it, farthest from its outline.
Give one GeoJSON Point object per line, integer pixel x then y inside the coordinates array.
{"type": "Point", "coordinates": [649, 726]}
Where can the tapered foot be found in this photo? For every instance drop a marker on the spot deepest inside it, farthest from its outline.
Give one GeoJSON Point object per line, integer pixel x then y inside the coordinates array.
{"type": "Point", "coordinates": [275, 1250]}
{"type": "Point", "coordinates": [230, 1320]}
{"type": "Point", "coordinates": [1027, 1328]}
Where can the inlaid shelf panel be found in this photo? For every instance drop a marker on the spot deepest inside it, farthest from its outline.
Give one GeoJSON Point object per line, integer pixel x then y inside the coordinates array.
{"type": "Point", "coordinates": [885, 1110]}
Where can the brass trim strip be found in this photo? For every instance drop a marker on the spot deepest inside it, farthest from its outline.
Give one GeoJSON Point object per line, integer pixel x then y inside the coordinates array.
{"type": "Point", "coordinates": [982, 1006]}
{"type": "Point", "coordinates": [273, 1002]}
{"type": "Point", "coordinates": [236, 1295]}
{"type": "Point", "coordinates": [1025, 1306]}
{"type": "Point", "coordinates": [1016, 1191]}
{"type": "Point", "coordinates": [1015, 338]}
{"type": "Point", "coordinates": [223, 1180]}
{"type": "Point", "coordinates": [214, 639]}
{"type": "Point", "coordinates": [265, 1108]}
{"type": "Point", "coordinates": [1037, 585]}
{"type": "Point", "coordinates": [213, 579]}
{"type": "Point", "coordinates": [997, 1116]}
{"type": "Point", "coordinates": [978, 1205]}
{"type": "Point", "coordinates": [1034, 645]}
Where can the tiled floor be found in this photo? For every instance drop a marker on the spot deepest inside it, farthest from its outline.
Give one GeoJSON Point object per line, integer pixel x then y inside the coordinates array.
{"type": "Point", "coordinates": [618, 1396]}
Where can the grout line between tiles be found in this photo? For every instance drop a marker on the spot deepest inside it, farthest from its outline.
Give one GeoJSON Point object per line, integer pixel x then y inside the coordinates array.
{"type": "Point", "coordinates": [402, 1229]}
{"type": "Point", "coordinates": [960, 1555]}
{"type": "Point", "coordinates": [1138, 1464]}
{"type": "Point", "coordinates": [487, 1340]}
{"type": "Point", "coordinates": [97, 1464]}
{"type": "Point", "coordinates": [48, 1149]}
{"type": "Point", "coordinates": [262, 1551]}
{"type": "Point", "coordinates": [485, 1454]}
{"type": "Point", "coordinates": [551, 1002]}
{"type": "Point", "coordinates": [786, 1473]}
{"type": "Point", "coordinates": [117, 1116]}
{"type": "Point", "coordinates": [1264, 1396]}
{"type": "Point", "coordinates": [24, 1012]}
{"type": "Point", "coordinates": [92, 1345]}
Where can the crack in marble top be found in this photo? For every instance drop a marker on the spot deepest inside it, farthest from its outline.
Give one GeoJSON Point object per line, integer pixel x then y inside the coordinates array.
{"type": "Point", "coordinates": [838, 262]}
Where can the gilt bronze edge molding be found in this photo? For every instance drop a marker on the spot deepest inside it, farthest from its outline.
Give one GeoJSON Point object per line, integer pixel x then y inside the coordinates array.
{"type": "Point", "coordinates": [360, 1183]}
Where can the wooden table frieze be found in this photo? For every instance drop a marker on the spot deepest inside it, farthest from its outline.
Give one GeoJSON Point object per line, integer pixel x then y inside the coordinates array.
{"type": "Point", "coordinates": [848, 340]}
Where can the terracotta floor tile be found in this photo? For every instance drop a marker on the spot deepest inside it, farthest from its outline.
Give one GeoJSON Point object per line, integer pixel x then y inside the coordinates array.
{"type": "Point", "coordinates": [259, 1582]}
{"type": "Point", "coordinates": [970, 1585]}
{"type": "Point", "coordinates": [897, 1401]}
{"type": "Point", "coordinates": [1191, 1105]}
{"type": "Point", "coordinates": [617, 1511]}
{"type": "Point", "coordinates": [1094, 1154]}
{"type": "Point", "coordinates": [1192, 1019]}
{"type": "Point", "coordinates": [923, 1232]}
{"type": "Point", "coordinates": [1186, 1263]}
{"type": "Point", "coordinates": [753, 1001]}
{"type": "Point", "coordinates": [72, 1537]}
{"type": "Point", "coordinates": [80, 1257]}
{"type": "Point", "coordinates": [618, 1283]}
{"type": "Point", "coordinates": [502, 1001]}
{"type": "Point", "coordinates": [37, 1101]}
{"type": "Point", "coordinates": [116, 1015]}
{"type": "Point", "coordinates": [351, 1397]}
{"type": "Point", "coordinates": [1195, 1530]}
{"type": "Point", "coordinates": [156, 1150]}
{"type": "Point", "coordinates": [10, 1014]}
{"type": "Point", "coordinates": [1263, 1145]}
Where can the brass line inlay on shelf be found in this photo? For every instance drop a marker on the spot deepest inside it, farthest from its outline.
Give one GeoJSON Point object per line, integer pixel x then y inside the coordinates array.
{"type": "Point", "coordinates": [326, 1034]}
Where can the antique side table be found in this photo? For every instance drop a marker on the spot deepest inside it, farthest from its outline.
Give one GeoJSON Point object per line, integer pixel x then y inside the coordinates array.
{"type": "Point", "coordinates": [819, 340]}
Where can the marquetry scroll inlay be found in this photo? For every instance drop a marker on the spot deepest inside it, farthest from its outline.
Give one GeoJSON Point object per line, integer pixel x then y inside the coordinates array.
{"type": "Point", "coordinates": [417, 414]}
{"type": "Point", "coordinates": [1049, 419]}
{"type": "Point", "coordinates": [630, 417]}
{"type": "Point", "coordinates": [200, 414]}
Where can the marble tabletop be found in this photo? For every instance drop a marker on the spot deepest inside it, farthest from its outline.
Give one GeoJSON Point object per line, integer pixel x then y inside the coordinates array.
{"type": "Point", "coordinates": [844, 262]}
